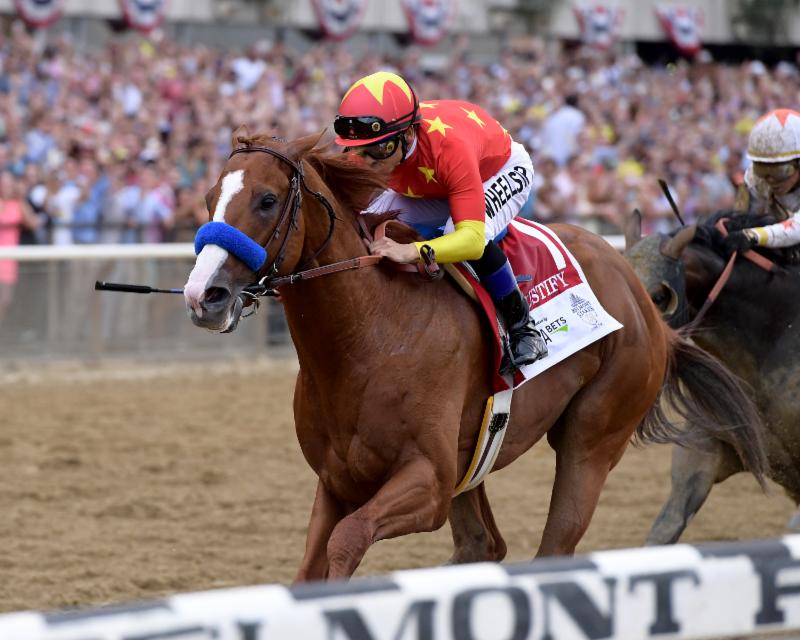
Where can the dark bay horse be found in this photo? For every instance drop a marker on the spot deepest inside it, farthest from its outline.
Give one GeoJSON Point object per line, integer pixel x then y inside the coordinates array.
{"type": "Point", "coordinates": [752, 327]}
{"type": "Point", "coordinates": [395, 372]}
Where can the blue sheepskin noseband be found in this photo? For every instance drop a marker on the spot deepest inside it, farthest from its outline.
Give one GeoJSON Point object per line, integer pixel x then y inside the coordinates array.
{"type": "Point", "coordinates": [232, 240]}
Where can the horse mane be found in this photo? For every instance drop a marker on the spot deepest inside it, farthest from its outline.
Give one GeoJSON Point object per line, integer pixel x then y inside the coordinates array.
{"type": "Point", "coordinates": [353, 184]}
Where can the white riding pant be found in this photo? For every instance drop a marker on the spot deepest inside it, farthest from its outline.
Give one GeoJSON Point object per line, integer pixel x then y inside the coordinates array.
{"type": "Point", "coordinates": [505, 193]}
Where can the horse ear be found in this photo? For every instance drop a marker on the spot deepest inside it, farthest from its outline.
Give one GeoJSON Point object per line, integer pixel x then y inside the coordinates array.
{"type": "Point", "coordinates": [240, 137]}
{"type": "Point", "coordinates": [676, 245]}
{"type": "Point", "coordinates": [300, 147]}
{"type": "Point", "coordinates": [633, 229]}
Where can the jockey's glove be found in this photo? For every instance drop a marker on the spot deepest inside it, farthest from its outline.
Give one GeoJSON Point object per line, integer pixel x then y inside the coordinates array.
{"type": "Point", "coordinates": [740, 241]}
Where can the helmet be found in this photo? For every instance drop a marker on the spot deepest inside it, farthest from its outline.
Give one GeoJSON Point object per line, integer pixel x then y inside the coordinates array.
{"type": "Point", "coordinates": [775, 137]}
{"type": "Point", "coordinates": [375, 108]}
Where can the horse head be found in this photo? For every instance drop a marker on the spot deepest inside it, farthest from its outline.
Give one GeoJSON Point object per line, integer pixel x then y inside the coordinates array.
{"type": "Point", "coordinates": [680, 270]}
{"type": "Point", "coordinates": [269, 211]}
{"type": "Point", "coordinates": [657, 260]}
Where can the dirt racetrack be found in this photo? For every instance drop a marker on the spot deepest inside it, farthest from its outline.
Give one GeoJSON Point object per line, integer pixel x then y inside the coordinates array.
{"type": "Point", "coordinates": [123, 483]}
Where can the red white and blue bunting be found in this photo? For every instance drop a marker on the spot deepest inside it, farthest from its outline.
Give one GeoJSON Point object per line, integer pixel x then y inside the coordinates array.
{"type": "Point", "coordinates": [429, 20]}
{"type": "Point", "coordinates": [339, 19]}
{"type": "Point", "coordinates": [599, 24]}
{"type": "Point", "coordinates": [683, 25]}
{"type": "Point", "coordinates": [39, 13]}
{"type": "Point", "coordinates": [143, 15]}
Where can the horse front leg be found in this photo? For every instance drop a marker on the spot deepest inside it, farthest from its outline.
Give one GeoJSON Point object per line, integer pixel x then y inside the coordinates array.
{"type": "Point", "coordinates": [325, 514]}
{"type": "Point", "coordinates": [414, 499]}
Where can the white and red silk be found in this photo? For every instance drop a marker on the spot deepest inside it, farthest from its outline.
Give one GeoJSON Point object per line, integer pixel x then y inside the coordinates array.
{"type": "Point", "coordinates": [780, 234]}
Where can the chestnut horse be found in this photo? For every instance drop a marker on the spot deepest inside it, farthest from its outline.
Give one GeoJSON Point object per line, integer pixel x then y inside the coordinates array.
{"type": "Point", "coordinates": [395, 371]}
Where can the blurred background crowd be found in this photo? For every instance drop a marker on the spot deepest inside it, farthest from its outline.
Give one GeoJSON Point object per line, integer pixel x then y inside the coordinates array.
{"type": "Point", "coordinates": [122, 143]}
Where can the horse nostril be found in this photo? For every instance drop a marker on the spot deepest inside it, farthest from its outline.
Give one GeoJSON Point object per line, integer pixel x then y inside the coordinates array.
{"type": "Point", "coordinates": [216, 295]}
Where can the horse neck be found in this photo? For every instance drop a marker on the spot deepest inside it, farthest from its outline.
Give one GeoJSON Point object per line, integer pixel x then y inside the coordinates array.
{"type": "Point", "coordinates": [753, 309]}
{"type": "Point", "coordinates": [331, 313]}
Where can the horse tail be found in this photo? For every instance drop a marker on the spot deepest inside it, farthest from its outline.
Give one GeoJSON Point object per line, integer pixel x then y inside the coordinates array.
{"type": "Point", "coordinates": [713, 401]}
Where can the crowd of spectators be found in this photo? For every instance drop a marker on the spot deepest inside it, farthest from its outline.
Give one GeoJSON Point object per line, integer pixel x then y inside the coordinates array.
{"type": "Point", "coordinates": [121, 144]}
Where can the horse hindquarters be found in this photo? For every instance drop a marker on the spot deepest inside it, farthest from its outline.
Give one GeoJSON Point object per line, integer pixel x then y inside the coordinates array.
{"type": "Point", "coordinates": [590, 404]}
{"type": "Point", "coordinates": [587, 424]}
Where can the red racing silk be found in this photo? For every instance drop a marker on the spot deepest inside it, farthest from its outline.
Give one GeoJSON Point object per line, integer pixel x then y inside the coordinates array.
{"type": "Point", "coordinates": [459, 147]}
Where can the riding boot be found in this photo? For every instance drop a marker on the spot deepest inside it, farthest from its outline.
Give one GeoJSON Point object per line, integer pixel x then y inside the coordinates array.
{"type": "Point", "coordinates": [527, 345]}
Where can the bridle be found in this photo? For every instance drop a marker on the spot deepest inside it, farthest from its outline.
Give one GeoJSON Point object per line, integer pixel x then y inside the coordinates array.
{"type": "Point", "coordinates": [756, 258]}
{"type": "Point", "coordinates": [268, 284]}
{"type": "Point", "coordinates": [291, 208]}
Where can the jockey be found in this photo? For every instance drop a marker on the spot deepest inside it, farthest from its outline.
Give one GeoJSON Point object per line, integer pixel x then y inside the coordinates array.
{"type": "Point", "coordinates": [772, 183]}
{"type": "Point", "coordinates": [456, 176]}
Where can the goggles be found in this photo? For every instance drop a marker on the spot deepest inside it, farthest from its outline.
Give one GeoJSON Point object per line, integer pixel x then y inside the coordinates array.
{"type": "Point", "coordinates": [379, 151]}
{"type": "Point", "coordinates": [775, 171]}
{"type": "Point", "coordinates": [368, 127]}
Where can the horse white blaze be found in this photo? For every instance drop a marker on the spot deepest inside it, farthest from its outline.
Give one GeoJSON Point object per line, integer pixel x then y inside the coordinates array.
{"type": "Point", "coordinates": [212, 257]}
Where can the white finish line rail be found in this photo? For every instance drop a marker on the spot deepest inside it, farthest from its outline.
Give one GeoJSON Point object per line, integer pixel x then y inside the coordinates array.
{"type": "Point", "coordinates": [141, 251]}
{"type": "Point", "coordinates": [683, 591]}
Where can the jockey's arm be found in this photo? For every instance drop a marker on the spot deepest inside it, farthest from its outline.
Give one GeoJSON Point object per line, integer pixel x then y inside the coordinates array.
{"type": "Point", "coordinates": [467, 209]}
{"type": "Point", "coordinates": [465, 243]}
{"type": "Point", "coordinates": [780, 234]}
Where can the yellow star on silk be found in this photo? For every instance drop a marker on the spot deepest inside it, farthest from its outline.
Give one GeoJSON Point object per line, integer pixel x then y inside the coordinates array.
{"type": "Point", "coordinates": [428, 105]}
{"type": "Point", "coordinates": [410, 194]}
{"type": "Point", "coordinates": [505, 131]}
{"type": "Point", "coordinates": [428, 173]}
{"type": "Point", "coordinates": [375, 84]}
{"type": "Point", "coordinates": [473, 116]}
{"type": "Point", "coordinates": [437, 125]}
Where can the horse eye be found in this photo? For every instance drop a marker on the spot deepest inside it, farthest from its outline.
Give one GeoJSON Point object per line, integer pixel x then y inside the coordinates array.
{"type": "Point", "coordinates": [660, 297]}
{"type": "Point", "coordinates": [267, 202]}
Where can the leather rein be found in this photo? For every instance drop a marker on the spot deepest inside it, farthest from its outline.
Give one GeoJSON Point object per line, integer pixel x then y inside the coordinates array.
{"type": "Point", "coordinates": [267, 286]}
{"type": "Point", "coordinates": [756, 258]}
